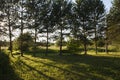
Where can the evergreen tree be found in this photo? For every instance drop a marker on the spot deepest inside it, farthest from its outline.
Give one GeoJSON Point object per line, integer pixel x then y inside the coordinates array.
{"type": "Point", "coordinates": [34, 19]}
{"type": "Point", "coordinates": [83, 13]}
{"type": "Point", "coordinates": [113, 22]}
{"type": "Point", "coordinates": [21, 19]}
{"type": "Point", "coordinates": [9, 11]}
{"type": "Point", "coordinates": [60, 10]}
{"type": "Point", "coordinates": [2, 28]}
{"type": "Point", "coordinates": [97, 11]}
{"type": "Point", "coordinates": [48, 21]}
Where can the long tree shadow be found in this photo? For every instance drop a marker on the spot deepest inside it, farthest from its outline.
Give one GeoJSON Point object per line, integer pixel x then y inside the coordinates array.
{"type": "Point", "coordinates": [30, 68]}
{"type": "Point", "coordinates": [101, 69]}
{"type": "Point", "coordinates": [98, 67]}
{"type": "Point", "coordinates": [47, 64]}
{"type": "Point", "coordinates": [6, 70]}
{"type": "Point", "coordinates": [100, 49]}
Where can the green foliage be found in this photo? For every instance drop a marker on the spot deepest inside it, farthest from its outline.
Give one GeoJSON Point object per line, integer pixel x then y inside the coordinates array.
{"type": "Point", "coordinates": [87, 41]}
{"type": "Point", "coordinates": [101, 43]}
{"type": "Point", "coordinates": [16, 45]}
{"type": "Point", "coordinates": [73, 45]}
{"type": "Point", "coordinates": [27, 42]}
{"type": "Point", "coordinates": [113, 21]}
{"type": "Point", "coordinates": [90, 13]}
{"type": "Point", "coordinates": [64, 43]}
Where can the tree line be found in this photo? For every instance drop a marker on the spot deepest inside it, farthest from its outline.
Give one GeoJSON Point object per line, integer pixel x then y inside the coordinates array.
{"type": "Point", "coordinates": [84, 20]}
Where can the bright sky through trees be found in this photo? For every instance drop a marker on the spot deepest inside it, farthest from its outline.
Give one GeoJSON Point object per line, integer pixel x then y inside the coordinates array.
{"type": "Point", "coordinates": [108, 4]}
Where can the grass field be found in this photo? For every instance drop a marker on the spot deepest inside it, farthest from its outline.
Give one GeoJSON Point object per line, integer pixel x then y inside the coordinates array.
{"type": "Point", "coordinates": [66, 67]}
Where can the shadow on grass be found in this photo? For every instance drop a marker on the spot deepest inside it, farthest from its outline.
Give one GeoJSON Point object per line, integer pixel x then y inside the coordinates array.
{"type": "Point", "coordinates": [41, 51]}
{"type": "Point", "coordinates": [100, 49]}
{"type": "Point", "coordinates": [6, 70]}
{"type": "Point", "coordinates": [74, 75]}
{"type": "Point", "coordinates": [92, 67]}
{"type": "Point", "coordinates": [22, 66]}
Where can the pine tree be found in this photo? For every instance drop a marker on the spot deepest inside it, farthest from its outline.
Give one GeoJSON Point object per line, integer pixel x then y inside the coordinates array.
{"type": "Point", "coordinates": [60, 10]}
{"type": "Point", "coordinates": [10, 17]}
{"type": "Point", "coordinates": [97, 11]}
{"type": "Point", "coordinates": [113, 21]}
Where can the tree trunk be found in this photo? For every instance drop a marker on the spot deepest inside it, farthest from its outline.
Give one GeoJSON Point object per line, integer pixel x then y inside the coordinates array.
{"type": "Point", "coordinates": [85, 44]}
{"type": "Point", "coordinates": [85, 48]}
{"type": "Point", "coordinates": [106, 42]}
{"type": "Point", "coordinates": [10, 37]}
{"type": "Point", "coordinates": [96, 50]}
{"type": "Point", "coordinates": [10, 33]}
{"type": "Point", "coordinates": [106, 47]}
{"type": "Point", "coordinates": [21, 43]}
{"type": "Point", "coordinates": [61, 36]}
{"type": "Point", "coordinates": [47, 43]}
{"type": "Point", "coordinates": [35, 42]}
{"type": "Point", "coordinates": [0, 48]}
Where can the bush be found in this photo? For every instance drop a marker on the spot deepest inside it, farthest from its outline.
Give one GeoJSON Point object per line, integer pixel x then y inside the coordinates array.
{"type": "Point", "coordinates": [64, 43]}
{"type": "Point", "coordinates": [101, 43]}
{"type": "Point", "coordinates": [27, 42]}
{"type": "Point", "coordinates": [73, 45]}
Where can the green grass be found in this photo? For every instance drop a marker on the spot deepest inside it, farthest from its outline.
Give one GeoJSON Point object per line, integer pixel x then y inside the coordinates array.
{"type": "Point", "coordinates": [66, 67]}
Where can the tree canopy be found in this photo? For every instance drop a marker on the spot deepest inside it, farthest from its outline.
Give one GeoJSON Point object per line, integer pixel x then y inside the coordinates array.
{"type": "Point", "coordinates": [113, 20]}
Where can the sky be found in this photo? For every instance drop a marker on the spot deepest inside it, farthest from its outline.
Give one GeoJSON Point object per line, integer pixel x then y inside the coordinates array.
{"type": "Point", "coordinates": [108, 4]}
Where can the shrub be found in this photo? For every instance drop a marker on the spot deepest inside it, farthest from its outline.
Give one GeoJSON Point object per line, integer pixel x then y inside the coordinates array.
{"type": "Point", "coordinates": [73, 45]}
{"type": "Point", "coordinates": [64, 43]}
{"type": "Point", "coordinates": [101, 43]}
{"type": "Point", "coordinates": [27, 42]}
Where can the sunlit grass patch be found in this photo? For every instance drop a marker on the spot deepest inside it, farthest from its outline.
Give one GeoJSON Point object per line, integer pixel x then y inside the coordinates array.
{"type": "Point", "coordinates": [67, 67]}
